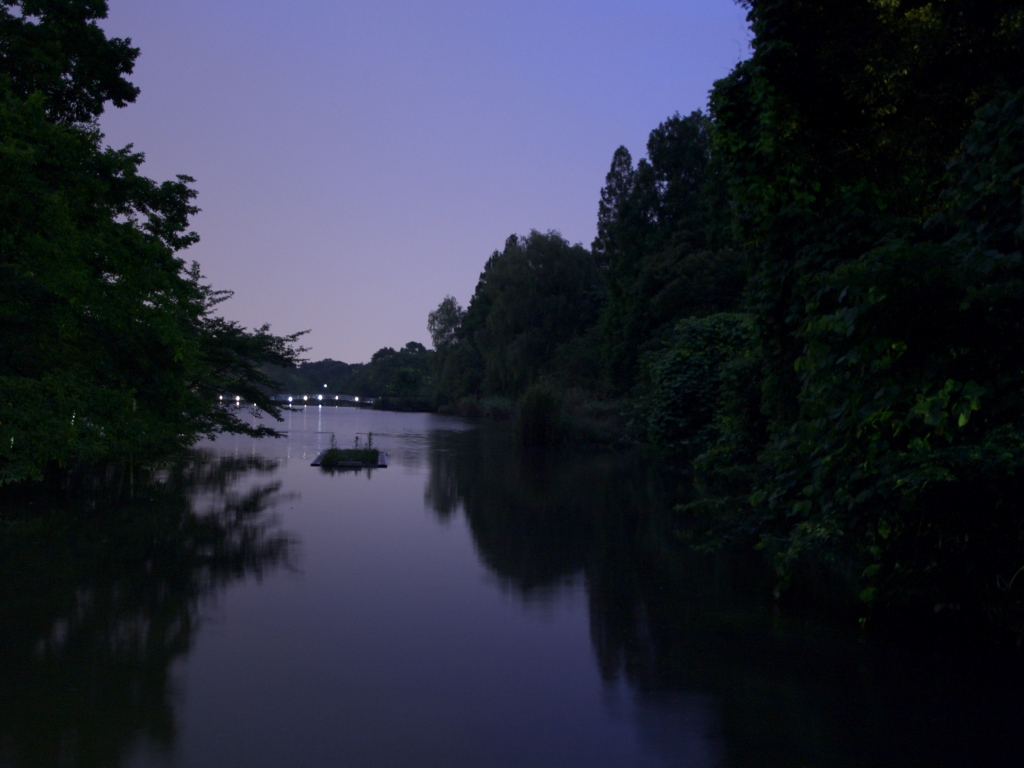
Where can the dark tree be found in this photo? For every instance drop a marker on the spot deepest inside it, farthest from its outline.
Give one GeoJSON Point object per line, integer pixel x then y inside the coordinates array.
{"type": "Point", "coordinates": [873, 154]}
{"type": "Point", "coordinates": [111, 348]}
{"type": "Point", "coordinates": [657, 238]}
{"type": "Point", "coordinates": [537, 293]}
{"type": "Point", "coordinates": [445, 323]}
{"type": "Point", "coordinates": [55, 48]}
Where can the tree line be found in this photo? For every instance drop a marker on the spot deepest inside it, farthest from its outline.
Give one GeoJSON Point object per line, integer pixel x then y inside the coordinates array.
{"type": "Point", "coordinates": [400, 379]}
{"type": "Point", "coordinates": [811, 294]}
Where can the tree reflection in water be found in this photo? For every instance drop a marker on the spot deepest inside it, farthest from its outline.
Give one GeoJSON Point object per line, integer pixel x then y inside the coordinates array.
{"type": "Point", "coordinates": [97, 599]}
{"type": "Point", "coordinates": [718, 675]}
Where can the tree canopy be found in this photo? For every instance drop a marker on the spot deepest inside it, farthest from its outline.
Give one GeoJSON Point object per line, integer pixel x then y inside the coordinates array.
{"type": "Point", "coordinates": [111, 345]}
{"type": "Point", "coordinates": [534, 296]}
{"type": "Point", "coordinates": [55, 48]}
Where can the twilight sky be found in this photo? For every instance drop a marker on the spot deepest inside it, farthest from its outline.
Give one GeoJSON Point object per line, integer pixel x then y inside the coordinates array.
{"type": "Point", "coordinates": [356, 161]}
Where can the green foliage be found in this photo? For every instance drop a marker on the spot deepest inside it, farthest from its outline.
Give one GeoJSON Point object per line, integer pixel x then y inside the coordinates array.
{"type": "Point", "coordinates": [885, 291]}
{"type": "Point", "coordinates": [910, 390]}
{"type": "Point", "coordinates": [683, 396]}
{"type": "Point", "coordinates": [834, 136]}
{"type": "Point", "coordinates": [550, 415]}
{"type": "Point", "coordinates": [402, 373]}
{"type": "Point", "coordinates": [445, 323]}
{"type": "Point", "coordinates": [56, 49]}
{"type": "Point", "coordinates": [111, 349]}
{"type": "Point", "coordinates": [580, 321]}
{"type": "Point", "coordinates": [660, 240]}
{"type": "Point", "coordinates": [458, 366]}
{"type": "Point", "coordinates": [534, 296]}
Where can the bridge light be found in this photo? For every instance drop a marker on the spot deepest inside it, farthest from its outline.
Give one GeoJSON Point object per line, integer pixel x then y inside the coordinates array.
{"type": "Point", "coordinates": [305, 398]}
{"type": "Point", "coordinates": [319, 397]}
{"type": "Point", "coordinates": [289, 398]}
{"type": "Point", "coordinates": [335, 397]}
{"type": "Point", "coordinates": [357, 399]}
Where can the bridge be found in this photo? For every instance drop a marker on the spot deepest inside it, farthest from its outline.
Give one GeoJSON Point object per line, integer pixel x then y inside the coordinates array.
{"type": "Point", "coordinates": [326, 399]}
{"type": "Point", "coordinates": [321, 398]}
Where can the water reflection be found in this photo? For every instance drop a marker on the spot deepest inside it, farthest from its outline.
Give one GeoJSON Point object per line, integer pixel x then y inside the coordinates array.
{"type": "Point", "coordinates": [691, 645]}
{"type": "Point", "coordinates": [96, 606]}
{"type": "Point", "coordinates": [367, 471]}
{"type": "Point", "coordinates": [392, 650]}
{"type": "Point", "coordinates": [543, 519]}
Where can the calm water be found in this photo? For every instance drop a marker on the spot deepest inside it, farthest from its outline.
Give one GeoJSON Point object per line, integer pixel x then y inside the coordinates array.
{"type": "Point", "coordinates": [470, 605]}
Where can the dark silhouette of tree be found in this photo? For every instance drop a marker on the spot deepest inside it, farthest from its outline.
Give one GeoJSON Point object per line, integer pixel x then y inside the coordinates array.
{"type": "Point", "coordinates": [536, 294]}
{"type": "Point", "coordinates": [111, 346]}
{"type": "Point", "coordinates": [55, 48]}
{"type": "Point", "coordinates": [659, 238]}
{"type": "Point", "coordinates": [445, 323]}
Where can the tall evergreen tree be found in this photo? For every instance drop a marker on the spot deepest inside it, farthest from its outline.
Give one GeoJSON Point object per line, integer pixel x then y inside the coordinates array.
{"type": "Point", "coordinates": [657, 239]}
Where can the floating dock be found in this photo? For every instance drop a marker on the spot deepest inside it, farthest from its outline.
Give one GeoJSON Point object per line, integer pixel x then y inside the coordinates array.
{"type": "Point", "coordinates": [382, 461]}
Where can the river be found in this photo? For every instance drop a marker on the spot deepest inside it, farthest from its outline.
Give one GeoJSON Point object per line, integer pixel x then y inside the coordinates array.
{"type": "Point", "coordinates": [473, 604]}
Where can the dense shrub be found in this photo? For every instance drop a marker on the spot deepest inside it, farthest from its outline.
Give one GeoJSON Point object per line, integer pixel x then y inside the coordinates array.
{"type": "Point", "coordinates": [682, 396]}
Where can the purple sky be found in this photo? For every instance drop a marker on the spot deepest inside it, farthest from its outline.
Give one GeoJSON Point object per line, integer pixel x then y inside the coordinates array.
{"type": "Point", "coordinates": [356, 162]}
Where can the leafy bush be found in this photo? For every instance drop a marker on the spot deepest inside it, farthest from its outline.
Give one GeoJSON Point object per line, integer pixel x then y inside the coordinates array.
{"type": "Point", "coordinates": [682, 396]}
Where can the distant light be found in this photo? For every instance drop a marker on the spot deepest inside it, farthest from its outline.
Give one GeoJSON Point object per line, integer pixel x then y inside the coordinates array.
{"type": "Point", "coordinates": [335, 397]}
{"type": "Point", "coordinates": [357, 399]}
{"type": "Point", "coordinates": [319, 397]}
{"type": "Point", "coordinates": [305, 398]}
{"type": "Point", "coordinates": [325, 386]}
{"type": "Point", "coordinates": [222, 397]}
{"type": "Point", "coordinates": [238, 397]}
{"type": "Point", "coordinates": [289, 398]}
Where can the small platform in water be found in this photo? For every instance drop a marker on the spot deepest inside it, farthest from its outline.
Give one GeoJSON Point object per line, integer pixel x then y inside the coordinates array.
{"type": "Point", "coordinates": [382, 461]}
